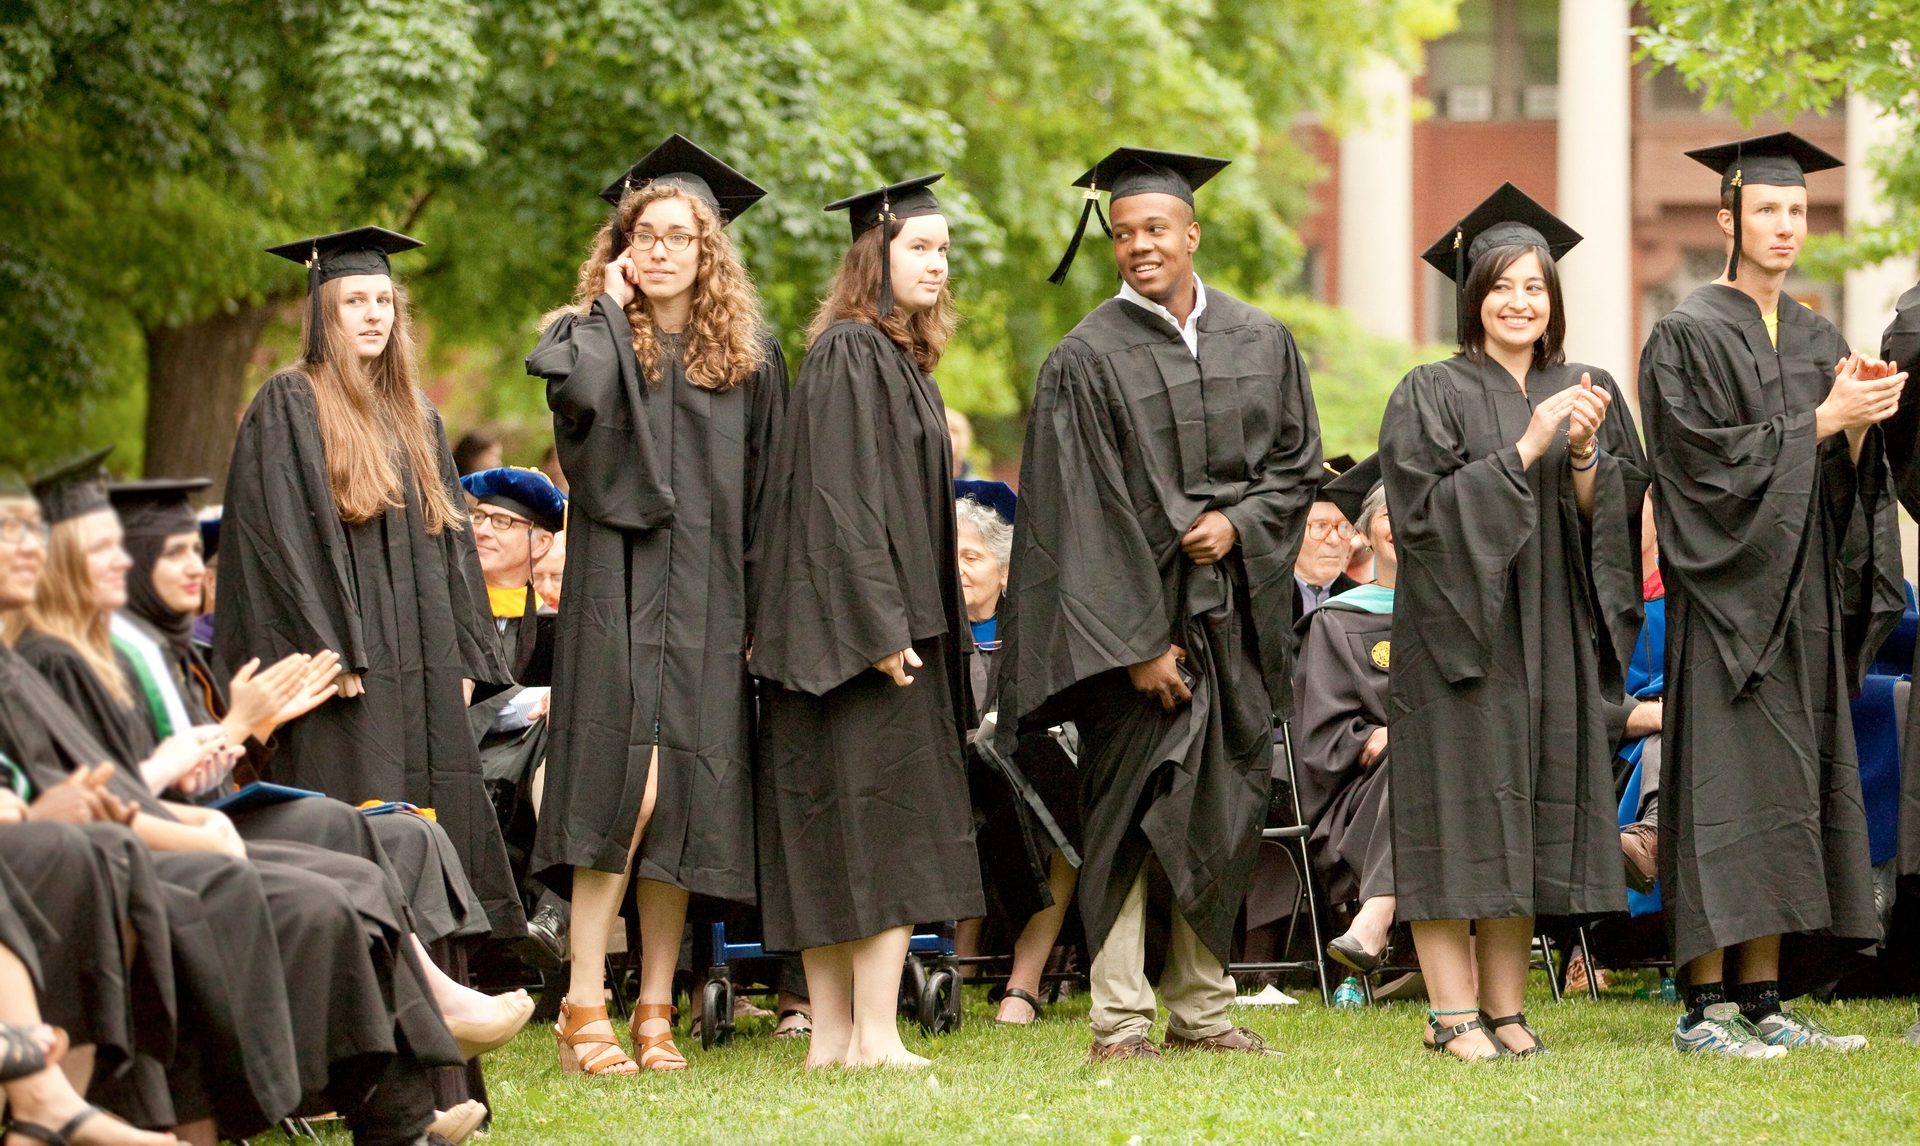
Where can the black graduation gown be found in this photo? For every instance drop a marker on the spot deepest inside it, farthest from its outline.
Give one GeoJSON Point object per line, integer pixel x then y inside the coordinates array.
{"type": "Point", "coordinates": [99, 883]}
{"type": "Point", "coordinates": [1130, 441]}
{"type": "Point", "coordinates": [1016, 846]}
{"type": "Point", "coordinates": [653, 629]}
{"type": "Point", "coordinates": [406, 610]}
{"type": "Point", "coordinates": [1512, 618]}
{"type": "Point", "coordinates": [863, 816]}
{"type": "Point", "coordinates": [1901, 344]}
{"type": "Point", "coordinates": [293, 939]}
{"type": "Point", "coordinates": [1782, 566]}
{"type": "Point", "coordinates": [1340, 697]}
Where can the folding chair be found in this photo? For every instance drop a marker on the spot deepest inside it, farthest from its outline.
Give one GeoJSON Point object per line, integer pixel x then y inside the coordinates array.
{"type": "Point", "coordinates": [1292, 841]}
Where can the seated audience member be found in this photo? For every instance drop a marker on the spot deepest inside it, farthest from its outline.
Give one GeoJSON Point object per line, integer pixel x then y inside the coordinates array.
{"type": "Point", "coordinates": [477, 450]}
{"type": "Point", "coordinates": [1027, 861]}
{"type": "Point", "coordinates": [1340, 690]}
{"type": "Point", "coordinates": [1646, 683]}
{"type": "Point", "coordinates": [267, 938]}
{"type": "Point", "coordinates": [549, 572]}
{"type": "Point", "coordinates": [1319, 572]}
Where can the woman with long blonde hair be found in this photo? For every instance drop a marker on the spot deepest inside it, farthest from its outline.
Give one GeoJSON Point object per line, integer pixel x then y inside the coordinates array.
{"type": "Point", "coordinates": [865, 825]}
{"type": "Point", "coordinates": [345, 531]}
{"type": "Point", "coordinates": [665, 389]}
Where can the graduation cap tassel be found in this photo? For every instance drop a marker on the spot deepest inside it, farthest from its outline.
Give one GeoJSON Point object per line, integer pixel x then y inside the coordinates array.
{"type": "Point", "coordinates": [1733, 264]}
{"type": "Point", "coordinates": [315, 335]}
{"type": "Point", "coordinates": [886, 259]}
{"type": "Point", "coordinates": [1459, 288]}
{"type": "Point", "coordinates": [1059, 274]}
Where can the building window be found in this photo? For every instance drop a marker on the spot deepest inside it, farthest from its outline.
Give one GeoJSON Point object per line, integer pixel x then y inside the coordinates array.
{"type": "Point", "coordinates": [1502, 63]}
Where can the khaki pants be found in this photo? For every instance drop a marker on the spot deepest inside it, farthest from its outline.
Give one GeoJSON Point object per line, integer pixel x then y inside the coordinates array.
{"type": "Point", "coordinates": [1196, 987]}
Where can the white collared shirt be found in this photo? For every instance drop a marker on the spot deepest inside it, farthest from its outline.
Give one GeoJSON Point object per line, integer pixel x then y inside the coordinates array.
{"type": "Point", "coordinates": [1190, 332]}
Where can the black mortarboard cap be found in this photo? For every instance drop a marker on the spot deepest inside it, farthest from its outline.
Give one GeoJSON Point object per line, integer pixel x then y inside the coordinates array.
{"type": "Point", "coordinates": [687, 165]}
{"type": "Point", "coordinates": [1780, 160]}
{"type": "Point", "coordinates": [1336, 465]}
{"type": "Point", "coordinates": [74, 489]}
{"type": "Point", "coordinates": [527, 492]}
{"type": "Point", "coordinates": [1349, 491]}
{"type": "Point", "coordinates": [1508, 216]}
{"type": "Point", "coordinates": [1136, 171]}
{"type": "Point", "coordinates": [995, 495]}
{"type": "Point", "coordinates": [361, 251]}
{"type": "Point", "coordinates": [156, 507]}
{"type": "Point", "coordinates": [908, 199]}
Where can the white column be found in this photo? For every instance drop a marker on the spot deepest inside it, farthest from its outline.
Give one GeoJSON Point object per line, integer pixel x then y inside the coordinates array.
{"type": "Point", "coordinates": [1870, 291]}
{"type": "Point", "coordinates": [1377, 254]}
{"type": "Point", "coordinates": [1596, 184]}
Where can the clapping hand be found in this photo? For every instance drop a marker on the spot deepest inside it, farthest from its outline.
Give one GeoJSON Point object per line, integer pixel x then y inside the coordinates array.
{"type": "Point", "coordinates": [1589, 410]}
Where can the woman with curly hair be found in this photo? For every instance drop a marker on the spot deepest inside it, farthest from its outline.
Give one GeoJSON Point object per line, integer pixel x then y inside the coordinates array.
{"type": "Point", "coordinates": [665, 389]}
{"type": "Point", "coordinates": [864, 819]}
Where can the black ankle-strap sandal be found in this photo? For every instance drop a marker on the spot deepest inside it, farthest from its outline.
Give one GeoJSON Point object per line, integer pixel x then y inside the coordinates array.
{"type": "Point", "coordinates": [22, 1055]}
{"type": "Point", "coordinates": [1027, 997]}
{"type": "Point", "coordinates": [1442, 1035]}
{"type": "Point", "coordinates": [58, 1137]}
{"type": "Point", "coordinates": [1493, 1026]}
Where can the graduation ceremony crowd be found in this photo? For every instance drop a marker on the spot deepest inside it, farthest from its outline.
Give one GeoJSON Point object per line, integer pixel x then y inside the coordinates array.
{"type": "Point", "coordinates": [281, 779]}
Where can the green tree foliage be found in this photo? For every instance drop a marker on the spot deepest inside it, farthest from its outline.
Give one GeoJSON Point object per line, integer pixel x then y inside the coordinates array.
{"type": "Point", "coordinates": [1792, 57]}
{"type": "Point", "coordinates": [153, 147]}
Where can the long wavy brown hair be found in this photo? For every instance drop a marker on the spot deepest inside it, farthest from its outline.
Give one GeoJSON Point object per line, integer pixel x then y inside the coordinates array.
{"type": "Point", "coordinates": [371, 413]}
{"type": "Point", "coordinates": [65, 606]}
{"type": "Point", "coordinates": [724, 343]}
{"type": "Point", "coordinates": [855, 295]}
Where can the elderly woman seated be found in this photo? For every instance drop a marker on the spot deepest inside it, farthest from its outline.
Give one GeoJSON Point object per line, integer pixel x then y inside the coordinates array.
{"type": "Point", "coordinates": [1027, 858]}
{"type": "Point", "coordinates": [1340, 690]}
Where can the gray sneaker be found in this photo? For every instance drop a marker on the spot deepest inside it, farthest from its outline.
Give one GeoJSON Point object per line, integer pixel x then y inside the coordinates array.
{"type": "Point", "coordinates": [1722, 1029]}
{"type": "Point", "coordinates": [1786, 1029]}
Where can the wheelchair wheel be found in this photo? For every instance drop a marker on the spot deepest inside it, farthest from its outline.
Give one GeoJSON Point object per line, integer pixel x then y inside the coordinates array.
{"type": "Point", "coordinates": [716, 1014]}
{"type": "Point", "coordinates": [939, 1009]}
{"type": "Point", "coordinates": [913, 985]}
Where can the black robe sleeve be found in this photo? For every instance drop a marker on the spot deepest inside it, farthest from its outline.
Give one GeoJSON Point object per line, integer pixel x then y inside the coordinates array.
{"type": "Point", "coordinates": [1738, 492]}
{"type": "Point", "coordinates": [1088, 595]}
{"type": "Point", "coordinates": [482, 657]}
{"type": "Point", "coordinates": [593, 388]}
{"type": "Point", "coordinates": [1466, 517]}
{"type": "Point", "coordinates": [121, 729]}
{"type": "Point", "coordinates": [286, 579]}
{"type": "Point", "coordinates": [837, 575]}
{"type": "Point", "coordinates": [766, 411]}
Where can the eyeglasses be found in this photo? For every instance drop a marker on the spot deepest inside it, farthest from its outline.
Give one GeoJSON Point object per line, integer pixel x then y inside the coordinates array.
{"type": "Point", "coordinates": [675, 241]}
{"type": "Point", "coordinates": [501, 522]}
{"type": "Point", "coordinates": [1318, 530]}
{"type": "Point", "coordinates": [16, 530]}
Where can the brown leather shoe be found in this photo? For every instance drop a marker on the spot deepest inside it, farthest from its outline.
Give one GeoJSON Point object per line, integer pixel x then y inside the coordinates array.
{"type": "Point", "coordinates": [1232, 1039]}
{"type": "Point", "coordinates": [1131, 1047]}
{"type": "Point", "coordinates": [1640, 849]}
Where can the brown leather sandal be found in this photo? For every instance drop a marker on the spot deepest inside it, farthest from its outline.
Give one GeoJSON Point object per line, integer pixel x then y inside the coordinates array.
{"type": "Point", "coordinates": [652, 1049]}
{"type": "Point", "coordinates": [593, 1054]}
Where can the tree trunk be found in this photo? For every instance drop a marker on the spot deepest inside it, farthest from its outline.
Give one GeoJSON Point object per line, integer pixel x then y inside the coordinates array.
{"type": "Point", "coordinates": [196, 381]}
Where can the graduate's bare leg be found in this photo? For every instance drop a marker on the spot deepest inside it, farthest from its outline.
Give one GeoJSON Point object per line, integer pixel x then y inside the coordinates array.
{"type": "Point", "coordinates": [48, 1097]}
{"type": "Point", "coordinates": [878, 962]}
{"type": "Point", "coordinates": [1447, 963]}
{"type": "Point", "coordinates": [1502, 957]}
{"type": "Point", "coordinates": [596, 904]}
{"type": "Point", "coordinates": [1758, 960]}
{"type": "Point", "coordinates": [463, 1003]}
{"type": "Point", "coordinates": [1030, 951]}
{"type": "Point", "coordinates": [830, 991]}
{"type": "Point", "coordinates": [663, 916]}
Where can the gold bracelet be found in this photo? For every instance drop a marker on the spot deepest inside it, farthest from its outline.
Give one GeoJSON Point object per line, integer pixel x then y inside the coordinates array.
{"type": "Point", "coordinates": [1579, 455]}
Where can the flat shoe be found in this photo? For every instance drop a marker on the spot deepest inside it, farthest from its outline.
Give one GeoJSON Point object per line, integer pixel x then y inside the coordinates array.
{"type": "Point", "coordinates": [1346, 950]}
{"type": "Point", "coordinates": [476, 1039]}
{"type": "Point", "coordinates": [457, 1125]}
{"type": "Point", "coordinates": [1132, 1047]}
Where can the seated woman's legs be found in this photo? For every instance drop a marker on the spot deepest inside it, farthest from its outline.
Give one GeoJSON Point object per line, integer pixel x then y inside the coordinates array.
{"type": "Point", "coordinates": [47, 1097]}
{"type": "Point", "coordinates": [1372, 923]}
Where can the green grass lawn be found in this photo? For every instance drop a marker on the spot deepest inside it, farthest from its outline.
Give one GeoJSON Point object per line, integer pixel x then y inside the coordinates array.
{"type": "Point", "coordinates": [1349, 1076]}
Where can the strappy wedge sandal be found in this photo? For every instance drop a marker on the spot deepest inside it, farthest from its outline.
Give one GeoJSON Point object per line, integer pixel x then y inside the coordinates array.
{"type": "Point", "coordinates": [585, 1053]}
{"type": "Point", "coordinates": [656, 1052]}
{"type": "Point", "coordinates": [1493, 1026]}
{"type": "Point", "coordinates": [22, 1055]}
{"type": "Point", "coordinates": [1442, 1035]}
{"type": "Point", "coordinates": [60, 1137]}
